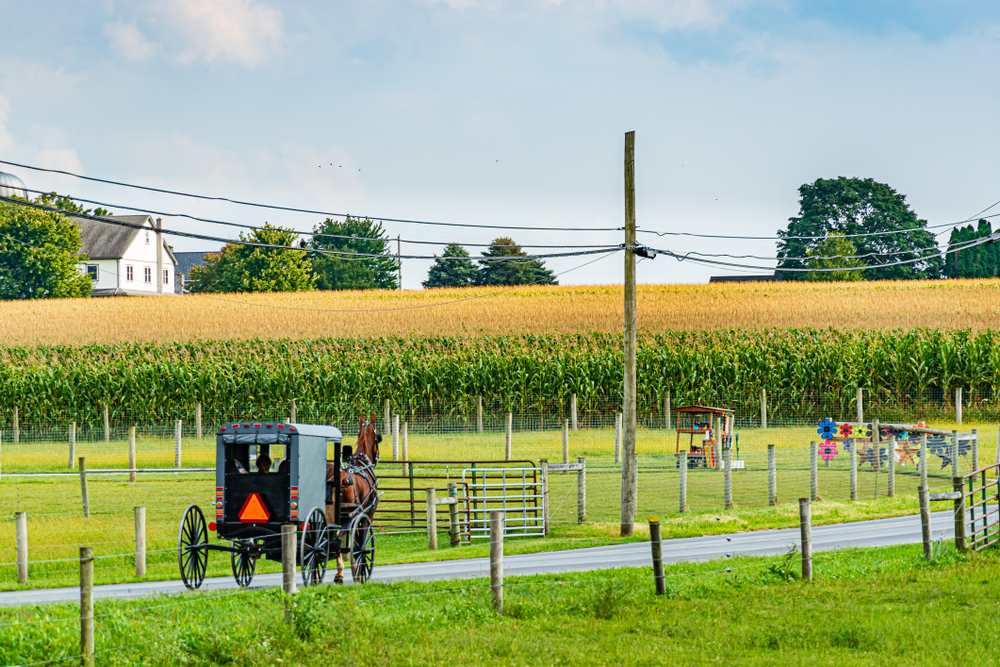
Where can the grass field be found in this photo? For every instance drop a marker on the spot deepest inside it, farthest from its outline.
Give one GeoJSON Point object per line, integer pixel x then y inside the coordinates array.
{"type": "Point", "coordinates": [865, 607]}
{"type": "Point", "coordinates": [57, 530]}
{"type": "Point", "coordinates": [946, 305]}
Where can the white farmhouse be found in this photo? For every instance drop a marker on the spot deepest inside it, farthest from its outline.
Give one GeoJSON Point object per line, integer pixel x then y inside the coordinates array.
{"type": "Point", "coordinates": [122, 259]}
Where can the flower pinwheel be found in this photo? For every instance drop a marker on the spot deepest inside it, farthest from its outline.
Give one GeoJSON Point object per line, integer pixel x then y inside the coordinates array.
{"type": "Point", "coordinates": [827, 429]}
{"type": "Point", "coordinates": [828, 450]}
{"type": "Point", "coordinates": [846, 430]}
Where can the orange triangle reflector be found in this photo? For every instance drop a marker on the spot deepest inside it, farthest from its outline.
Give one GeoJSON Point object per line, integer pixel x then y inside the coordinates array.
{"type": "Point", "coordinates": [253, 510]}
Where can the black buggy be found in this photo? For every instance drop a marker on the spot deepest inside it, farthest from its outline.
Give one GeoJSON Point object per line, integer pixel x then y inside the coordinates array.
{"type": "Point", "coordinates": [251, 506]}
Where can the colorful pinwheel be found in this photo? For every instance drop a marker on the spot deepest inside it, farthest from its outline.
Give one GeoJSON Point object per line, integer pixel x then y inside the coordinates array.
{"type": "Point", "coordinates": [828, 450]}
{"type": "Point", "coordinates": [827, 429]}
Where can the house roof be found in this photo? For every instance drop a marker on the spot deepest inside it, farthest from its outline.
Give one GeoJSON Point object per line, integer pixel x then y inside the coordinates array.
{"type": "Point", "coordinates": [105, 240]}
{"type": "Point", "coordinates": [188, 260]}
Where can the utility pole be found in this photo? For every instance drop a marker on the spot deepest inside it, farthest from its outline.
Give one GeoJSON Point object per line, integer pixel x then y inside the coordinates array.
{"type": "Point", "coordinates": [630, 473]}
{"type": "Point", "coordinates": [399, 261]}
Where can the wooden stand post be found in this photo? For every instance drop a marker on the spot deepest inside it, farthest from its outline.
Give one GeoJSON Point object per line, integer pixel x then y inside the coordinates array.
{"type": "Point", "coordinates": [479, 414]}
{"type": "Point", "coordinates": [682, 470]}
{"type": "Point", "coordinates": [727, 478]}
{"type": "Point", "coordinates": [581, 491]}
{"type": "Point", "coordinates": [805, 528]}
{"type": "Point", "coordinates": [107, 424]}
{"type": "Point", "coordinates": [813, 472]}
{"type": "Point", "coordinates": [131, 453]}
{"type": "Point", "coordinates": [87, 606]}
{"type": "Point", "coordinates": [140, 541]}
{"type": "Point", "coordinates": [572, 411]}
{"type": "Point", "coordinates": [656, 545]}
{"type": "Point", "coordinates": [197, 418]}
{"type": "Point", "coordinates": [83, 486]}
{"type": "Point", "coordinates": [453, 528]}
{"type": "Point", "coordinates": [72, 445]}
{"type": "Point", "coordinates": [772, 476]}
{"type": "Point", "coordinates": [956, 485]}
{"type": "Point", "coordinates": [496, 560]}
{"type": "Point", "coordinates": [21, 539]}
{"type": "Point", "coordinates": [618, 438]}
{"type": "Point", "coordinates": [288, 540]}
{"type": "Point", "coordinates": [508, 444]}
{"type": "Point", "coordinates": [763, 408]}
{"type": "Point", "coordinates": [544, 465]}
{"type": "Point", "coordinates": [925, 521]}
{"type": "Point", "coordinates": [854, 470]}
{"type": "Point", "coordinates": [565, 441]}
{"type": "Point", "coordinates": [432, 535]}
{"type": "Point", "coordinates": [178, 435]}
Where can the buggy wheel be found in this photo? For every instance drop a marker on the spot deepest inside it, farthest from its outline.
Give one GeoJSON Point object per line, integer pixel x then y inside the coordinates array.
{"type": "Point", "coordinates": [362, 548]}
{"type": "Point", "coordinates": [314, 548]}
{"type": "Point", "coordinates": [192, 547]}
{"type": "Point", "coordinates": [244, 564]}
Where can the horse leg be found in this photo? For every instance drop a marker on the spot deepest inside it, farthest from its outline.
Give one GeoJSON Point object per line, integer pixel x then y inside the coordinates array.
{"type": "Point", "coordinates": [339, 579]}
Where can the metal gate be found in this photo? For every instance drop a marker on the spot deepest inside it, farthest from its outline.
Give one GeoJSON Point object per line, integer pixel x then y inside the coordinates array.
{"type": "Point", "coordinates": [517, 492]}
{"type": "Point", "coordinates": [982, 506]}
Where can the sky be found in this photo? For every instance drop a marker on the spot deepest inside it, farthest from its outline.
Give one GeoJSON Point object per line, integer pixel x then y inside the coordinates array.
{"type": "Point", "coordinates": [496, 112]}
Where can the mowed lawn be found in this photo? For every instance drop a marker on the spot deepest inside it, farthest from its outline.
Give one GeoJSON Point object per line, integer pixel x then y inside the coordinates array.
{"type": "Point", "coordinates": [866, 607]}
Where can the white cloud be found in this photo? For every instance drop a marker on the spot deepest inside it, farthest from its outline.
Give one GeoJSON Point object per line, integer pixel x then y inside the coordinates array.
{"type": "Point", "coordinates": [127, 39]}
{"type": "Point", "coordinates": [676, 14]}
{"type": "Point", "coordinates": [5, 141]}
{"type": "Point", "coordinates": [242, 31]}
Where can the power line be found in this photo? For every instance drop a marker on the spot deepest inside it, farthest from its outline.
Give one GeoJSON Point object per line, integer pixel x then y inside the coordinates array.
{"type": "Point", "coordinates": [293, 209]}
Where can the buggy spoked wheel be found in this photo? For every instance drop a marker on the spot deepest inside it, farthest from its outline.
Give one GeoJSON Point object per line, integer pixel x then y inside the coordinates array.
{"type": "Point", "coordinates": [244, 564]}
{"type": "Point", "coordinates": [192, 547]}
{"type": "Point", "coordinates": [362, 548]}
{"type": "Point", "coordinates": [314, 548]}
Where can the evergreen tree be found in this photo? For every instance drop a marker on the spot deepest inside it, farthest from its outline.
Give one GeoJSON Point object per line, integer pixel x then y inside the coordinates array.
{"type": "Point", "coordinates": [243, 268]}
{"type": "Point", "coordinates": [452, 272]}
{"type": "Point", "coordinates": [512, 271]}
{"type": "Point", "coordinates": [339, 272]}
{"type": "Point", "coordinates": [981, 261]}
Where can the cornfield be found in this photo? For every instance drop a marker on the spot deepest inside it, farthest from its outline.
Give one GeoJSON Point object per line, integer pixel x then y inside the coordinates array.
{"type": "Point", "coordinates": [515, 372]}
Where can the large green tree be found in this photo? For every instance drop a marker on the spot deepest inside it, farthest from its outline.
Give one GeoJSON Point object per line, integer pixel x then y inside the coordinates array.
{"type": "Point", "coordinates": [981, 261]}
{"type": "Point", "coordinates": [39, 253]}
{"type": "Point", "coordinates": [458, 272]}
{"type": "Point", "coordinates": [835, 252]}
{"type": "Point", "coordinates": [64, 203]}
{"type": "Point", "coordinates": [852, 206]}
{"type": "Point", "coordinates": [247, 268]}
{"type": "Point", "coordinates": [354, 235]}
{"type": "Point", "coordinates": [499, 271]}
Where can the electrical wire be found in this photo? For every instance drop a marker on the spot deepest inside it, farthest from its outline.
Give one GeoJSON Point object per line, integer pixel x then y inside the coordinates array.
{"type": "Point", "coordinates": [293, 209]}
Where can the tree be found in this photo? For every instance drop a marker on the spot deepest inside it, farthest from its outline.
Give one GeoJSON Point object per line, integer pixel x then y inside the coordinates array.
{"type": "Point", "coordinates": [65, 203]}
{"type": "Point", "coordinates": [851, 206]}
{"type": "Point", "coordinates": [512, 271]}
{"type": "Point", "coordinates": [245, 268]}
{"type": "Point", "coordinates": [452, 272]}
{"type": "Point", "coordinates": [335, 272]}
{"type": "Point", "coordinates": [981, 261]}
{"type": "Point", "coordinates": [834, 253]}
{"type": "Point", "coordinates": [39, 253]}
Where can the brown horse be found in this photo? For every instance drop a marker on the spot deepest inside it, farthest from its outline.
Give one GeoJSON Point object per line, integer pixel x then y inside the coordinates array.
{"type": "Point", "coordinates": [358, 484]}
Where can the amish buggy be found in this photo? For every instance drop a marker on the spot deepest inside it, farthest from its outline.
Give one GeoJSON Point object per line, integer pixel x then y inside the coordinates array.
{"type": "Point", "coordinates": [331, 501]}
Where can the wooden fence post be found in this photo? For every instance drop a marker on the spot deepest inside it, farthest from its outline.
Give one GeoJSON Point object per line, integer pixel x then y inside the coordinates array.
{"type": "Point", "coordinates": [508, 445]}
{"type": "Point", "coordinates": [956, 485]}
{"type": "Point", "coordinates": [21, 539]}
{"type": "Point", "coordinates": [496, 560]}
{"type": "Point", "coordinates": [197, 418]}
{"type": "Point", "coordinates": [618, 438]}
{"type": "Point", "coordinates": [178, 435]}
{"type": "Point", "coordinates": [877, 446]}
{"type": "Point", "coordinates": [958, 405]}
{"type": "Point", "coordinates": [572, 411]}
{"type": "Point", "coordinates": [1, 452]}
{"type": "Point", "coordinates": [772, 476]}
{"type": "Point", "coordinates": [288, 541]}
{"type": "Point", "coordinates": [805, 529]}
{"type": "Point", "coordinates": [763, 408]}
{"type": "Point", "coordinates": [813, 472]}
{"type": "Point", "coordinates": [479, 414]}
{"type": "Point", "coordinates": [72, 445]}
{"type": "Point", "coordinates": [453, 528]}
{"type": "Point", "coordinates": [854, 470]}
{"type": "Point", "coordinates": [395, 437]}
{"type": "Point", "coordinates": [667, 413]}
{"type": "Point", "coordinates": [388, 415]}
{"type": "Point", "coordinates": [83, 486]}
{"type": "Point", "coordinates": [87, 606]}
{"type": "Point", "coordinates": [292, 416]}
{"type": "Point", "coordinates": [975, 449]}
{"type": "Point", "coordinates": [954, 453]}
{"type": "Point", "coordinates": [544, 465]}
{"type": "Point", "coordinates": [565, 435]}
{"type": "Point", "coordinates": [131, 453]}
{"type": "Point", "coordinates": [107, 424]}
{"type": "Point", "coordinates": [581, 491]}
{"type": "Point", "coordinates": [923, 459]}
{"type": "Point", "coordinates": [404, 436]}
{"type": "Point", "coordinates": [140, 541]}
{"type": "Point", "coordinates": [682, 469]}
{"type": "Point", "coordinates": [727, 477]}
{"type": "Point", "coordinates": [432, 535]}
{"type": "Point", "coordinates": [657, 548]}
{"type": "Point", "coordinates": [925, 521]}
{"type": "Point", "coordinates": [17, 426]}
{"type": "Point", "coordinates": [890, 489]}
{"type": "Point", "coordinates": [861, 405]}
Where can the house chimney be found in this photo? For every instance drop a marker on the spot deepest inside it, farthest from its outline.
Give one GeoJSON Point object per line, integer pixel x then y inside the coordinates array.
{"type": "Point", "coordinates": [159, 256]}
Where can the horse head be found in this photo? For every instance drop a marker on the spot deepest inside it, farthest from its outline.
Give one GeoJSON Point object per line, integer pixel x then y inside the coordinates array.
{"type": "Point", "coordinates": [368, 439]}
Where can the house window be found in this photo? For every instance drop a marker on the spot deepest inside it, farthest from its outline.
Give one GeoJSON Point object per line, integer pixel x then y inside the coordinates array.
{"type": "Point", "coordinates": [92, 271]}
{"type": "Point", "coordinates": [129, 273]}
{"type": "Point", "coordinates": [147, 237]}
{"type": "Point", "coordinates": [166, 276]}
{"type": "Point", "coordinates": [147, 274]}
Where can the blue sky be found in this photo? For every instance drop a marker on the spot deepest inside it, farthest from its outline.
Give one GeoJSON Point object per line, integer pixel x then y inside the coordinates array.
{"type": "Point", "coordinates": [495, 112]}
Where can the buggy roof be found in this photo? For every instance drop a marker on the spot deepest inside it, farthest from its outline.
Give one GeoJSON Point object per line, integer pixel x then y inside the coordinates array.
{"type": "Point", "coordinates": [704, 409]}
{"type": "Point", "coordinates": [328, 432]}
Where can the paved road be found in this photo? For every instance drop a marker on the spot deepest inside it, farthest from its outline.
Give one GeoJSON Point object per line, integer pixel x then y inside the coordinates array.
{"type": "Point", "coordinates": [880, 532]}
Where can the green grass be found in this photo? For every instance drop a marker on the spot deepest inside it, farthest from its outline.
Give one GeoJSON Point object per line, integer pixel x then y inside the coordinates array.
{"type": "Point", "coordinates": [865, 607]}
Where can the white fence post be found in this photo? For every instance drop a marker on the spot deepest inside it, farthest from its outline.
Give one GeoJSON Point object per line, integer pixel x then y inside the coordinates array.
{"type": "Point", "coordinates": [107, 424]}
{"type": "Point", "coordinates": [21, 539]}
{"type": "Point", "coordinates": [861, 405]}
{"type": "Point", "coordinates": [958, 405]}
{"type": "Point", "coordinates": [666, 409]}
{"type": "Point", "coordinates": [178, 434]}
{"type": "Point", "coordinates": [682, 465]}
{"type": "Point", "coordinates": [72, 445]}
{"type": "Point", "coordinates": [772, 476]}
{"type": "Point", "coordinates": [197, 418]}
{"type": "Point", "coordinates": [510, 434]}
{"type": "Point", "coordinates": [618, 438]}
{"type": "Point", "coordinates": [572, 411]}
{"type": "Point", "coordinates": [763, 408]}
{"type": "Point", "coordinates": [292, 418]}
{"type": "Point", "coordinates": [395, 437]}
{"type": "Point", "coordinates": [131, 453]}
{"type": "Point", "coordinates": [17, 426]}
{"type": "Point", "coordinates": [479, 414]}
{"type": "Point", "coordinates": [565, 441]}
{"type": "Point", "coordinates": [403, 444]}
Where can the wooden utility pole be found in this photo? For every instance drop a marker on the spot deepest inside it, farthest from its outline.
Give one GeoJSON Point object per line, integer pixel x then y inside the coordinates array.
{"type": "Point", "coordinates": [399, 261]}
{"type": "Point", "coordinates": [630, 475]}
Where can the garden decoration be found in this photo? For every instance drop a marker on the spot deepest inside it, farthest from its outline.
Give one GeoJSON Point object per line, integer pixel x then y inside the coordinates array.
{"type": "Point", "coordinates": [846, 430]}
{"type": "Point", "coordinates": [939, 446]}
{"type": "Point", "coordinates": [906, 454]}
{"type": "Point", "coordinates": [827, 451]}
{"type": "Point", "coordinates": [827, 429]}
{"type": "Point", "coordinates": [862, 431]}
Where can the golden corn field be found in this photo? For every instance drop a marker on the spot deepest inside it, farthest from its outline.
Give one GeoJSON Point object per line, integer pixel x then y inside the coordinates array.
{"type": "Point", "coordinates": [945, 305]}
